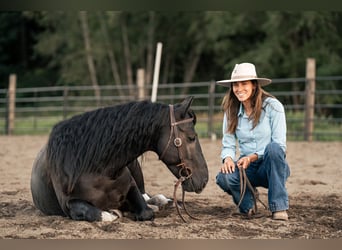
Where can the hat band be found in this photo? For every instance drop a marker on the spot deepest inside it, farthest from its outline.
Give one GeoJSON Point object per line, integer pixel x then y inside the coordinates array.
{"type": "Point", "coordinates": [243, 77]}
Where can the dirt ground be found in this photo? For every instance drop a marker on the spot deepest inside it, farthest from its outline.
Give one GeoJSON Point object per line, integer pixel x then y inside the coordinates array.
{"type": "Point", "coordinates": [314, 189]}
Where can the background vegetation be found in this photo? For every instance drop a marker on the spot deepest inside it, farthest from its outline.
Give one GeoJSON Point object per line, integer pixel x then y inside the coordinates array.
{"type": "Point", "coordinates": [53, 48]}
{"type": "Point", "coordinates": [74, 48]}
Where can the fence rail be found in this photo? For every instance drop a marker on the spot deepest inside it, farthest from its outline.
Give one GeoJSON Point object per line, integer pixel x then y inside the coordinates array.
{"type": "Point", "coordinates": [38, 109]}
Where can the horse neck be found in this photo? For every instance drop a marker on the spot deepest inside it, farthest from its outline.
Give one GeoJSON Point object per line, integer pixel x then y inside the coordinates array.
{"type": "Point", "coordinates": [146, 129]}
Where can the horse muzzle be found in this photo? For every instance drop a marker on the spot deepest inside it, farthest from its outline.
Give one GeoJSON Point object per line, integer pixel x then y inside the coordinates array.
{"type": "Point", "coordinates": [194, 184]}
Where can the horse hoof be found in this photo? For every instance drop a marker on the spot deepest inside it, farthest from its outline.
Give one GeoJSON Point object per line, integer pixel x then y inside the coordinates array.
{"type": "Point", "coordinates": [147, 214]}
{"type": "Point", "coordinates": [108, 217]}
{"type": "Point", "coordinates": [116, 212]}
{"type": "Point", "coordinates": [158, 200]}
{"type": "Point", "coordinates": [146, 197]}
{"type": "Point", "coordinates": [153, 207]}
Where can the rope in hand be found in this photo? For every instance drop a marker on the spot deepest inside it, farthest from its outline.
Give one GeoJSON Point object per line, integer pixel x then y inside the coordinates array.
{"type": "Point", "coordinates": [244, 183]}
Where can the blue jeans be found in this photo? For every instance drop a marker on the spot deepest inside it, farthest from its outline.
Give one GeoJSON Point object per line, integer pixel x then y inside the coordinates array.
{"type": "Point", "coordinates": [271, 172]}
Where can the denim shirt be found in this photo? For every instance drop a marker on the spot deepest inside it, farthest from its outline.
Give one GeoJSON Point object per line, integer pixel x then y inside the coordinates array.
{"type": "Point", "coordinates": [271, 128]}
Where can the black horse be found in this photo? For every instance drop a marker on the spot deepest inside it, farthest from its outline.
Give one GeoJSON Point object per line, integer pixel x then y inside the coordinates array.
{"type": "Point", "coordinates": [89, 166]}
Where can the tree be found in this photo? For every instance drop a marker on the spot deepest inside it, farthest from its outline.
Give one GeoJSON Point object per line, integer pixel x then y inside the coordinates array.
{"type": "Point", "coordinates": [110, 51]}
{"type": "Point", "coordinates": [292, 37]}
{"type": "Point", "coordinates": [17, 55]}
{"type": "Point", "coordinates": [89, 54]}
{"type": "Point", "coordinates": [197, 46]}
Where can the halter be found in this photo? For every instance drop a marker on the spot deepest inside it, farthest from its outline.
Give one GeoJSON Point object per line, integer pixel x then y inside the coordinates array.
{"type": "Point", "coordinates": [183, 171]}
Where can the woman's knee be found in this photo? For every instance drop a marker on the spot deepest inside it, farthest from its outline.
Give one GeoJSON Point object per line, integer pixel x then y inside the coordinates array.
{"type": "Point", "coordinates": [226, 181]}
{"type": "Point", "coordinates": [221, 181]}
{"type": "Point", "coordinates": [276, 154]}
{"type": "Point", "coordinates": [273, 149]}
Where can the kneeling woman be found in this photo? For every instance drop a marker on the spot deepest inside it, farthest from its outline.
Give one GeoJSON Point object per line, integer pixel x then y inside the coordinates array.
{"type": "Point", "coordinates": [254, 124]}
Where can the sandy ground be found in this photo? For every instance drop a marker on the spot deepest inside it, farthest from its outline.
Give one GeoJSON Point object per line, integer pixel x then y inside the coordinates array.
{"type": "Point", "coordinates": [314, 188]}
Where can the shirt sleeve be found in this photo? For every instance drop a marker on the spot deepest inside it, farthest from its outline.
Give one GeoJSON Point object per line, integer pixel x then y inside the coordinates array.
{"type": "Point", "coordinates": [228, 142]}
{"type": "Point", "coordinates": [278, 123]}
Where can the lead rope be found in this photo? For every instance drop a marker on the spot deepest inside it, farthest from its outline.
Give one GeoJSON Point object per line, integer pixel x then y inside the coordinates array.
{"type": "Point", "coordinates": [244, 183]}
{"type": "Point", "coordinates": [179, 181]}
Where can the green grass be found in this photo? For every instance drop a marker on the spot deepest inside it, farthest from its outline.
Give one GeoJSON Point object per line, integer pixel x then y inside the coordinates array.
{"type": "Point", "coordinates": [325, 128]}
{"type": "Point", "coordinates": [32, 125]}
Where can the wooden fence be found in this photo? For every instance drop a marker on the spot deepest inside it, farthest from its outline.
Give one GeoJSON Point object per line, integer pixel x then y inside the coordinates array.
{"type": "Point", "coordinates": [309, 115]}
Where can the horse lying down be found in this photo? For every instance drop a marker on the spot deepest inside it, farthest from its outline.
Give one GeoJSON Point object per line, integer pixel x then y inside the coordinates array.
{"type": "Point", "coordinates": [88, 170]}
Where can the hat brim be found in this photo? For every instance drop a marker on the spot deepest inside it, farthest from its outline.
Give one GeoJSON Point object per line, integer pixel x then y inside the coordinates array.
{"type": "Point", "coordinates": [228, 83]}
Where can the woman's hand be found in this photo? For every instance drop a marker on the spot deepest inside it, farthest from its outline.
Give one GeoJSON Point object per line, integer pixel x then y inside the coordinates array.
{"type": "Point", "coordinates": [244, 162]}
{"type": "Point", "coordinates": [228, 166]}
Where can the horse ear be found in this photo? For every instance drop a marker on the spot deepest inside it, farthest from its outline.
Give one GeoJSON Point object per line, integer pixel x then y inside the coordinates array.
{"type": "Point", "coordinates": [185, 105]}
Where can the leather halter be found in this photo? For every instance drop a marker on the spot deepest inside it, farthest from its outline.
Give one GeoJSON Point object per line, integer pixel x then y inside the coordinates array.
{"type": "Point", "coordinates": [184, 171]}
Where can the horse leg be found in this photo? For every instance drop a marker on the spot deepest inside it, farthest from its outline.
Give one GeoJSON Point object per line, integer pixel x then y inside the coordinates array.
{"type": "Point", "coordinates": [155, 202]}
{"type": "Point", "coordinates": [82, 210]}
{"type": "Point", "coordinates": [137, 174]}
{"type": "Point", "coordinates": [43, 193]}
{"type": "Point", "coordinates": [135, 199]}
{"type": "Point", "coordinates": [138, 204]}
{"type": "Point", "coordinates": [95, 194]}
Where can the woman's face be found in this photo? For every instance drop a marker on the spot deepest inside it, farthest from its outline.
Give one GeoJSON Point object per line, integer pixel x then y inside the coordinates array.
{"type": "Point", "coordinates": [243, 90]}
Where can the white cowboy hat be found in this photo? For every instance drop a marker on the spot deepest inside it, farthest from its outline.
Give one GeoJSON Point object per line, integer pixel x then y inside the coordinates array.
{"type": "Point", "coordinates": [244, 72]}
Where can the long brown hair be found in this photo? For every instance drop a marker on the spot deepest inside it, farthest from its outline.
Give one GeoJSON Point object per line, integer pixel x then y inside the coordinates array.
{"type": "Point", "coordinates": [231, 106]}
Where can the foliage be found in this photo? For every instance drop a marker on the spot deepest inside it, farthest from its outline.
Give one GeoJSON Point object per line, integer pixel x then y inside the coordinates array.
{"type": "Point", "coordinates": [47, 48]}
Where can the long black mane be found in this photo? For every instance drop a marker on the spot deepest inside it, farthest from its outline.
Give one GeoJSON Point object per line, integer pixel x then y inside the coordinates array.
{"type": "Point", "coordinates": [108, 137]}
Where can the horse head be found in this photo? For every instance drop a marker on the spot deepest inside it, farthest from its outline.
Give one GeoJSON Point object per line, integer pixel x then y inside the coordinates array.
{"type": "Point", "coordinates": [180, 150]}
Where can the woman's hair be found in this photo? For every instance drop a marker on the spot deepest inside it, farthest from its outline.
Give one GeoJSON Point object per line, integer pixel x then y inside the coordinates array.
{"type": "Point", "coordinates": [231, 106]}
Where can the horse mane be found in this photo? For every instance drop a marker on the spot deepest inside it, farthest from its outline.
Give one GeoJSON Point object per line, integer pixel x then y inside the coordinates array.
{"type": "Point", "coordinates": [104, 139]}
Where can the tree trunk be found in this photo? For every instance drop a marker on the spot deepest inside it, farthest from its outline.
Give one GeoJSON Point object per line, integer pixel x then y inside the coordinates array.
{"type": "Point", "coordinates": [127, 55]}
{"type": "Point", "coordinates": [150, 46]}
{"type": "Point", "coordinates": [292, 54]}
{"type": "Point", "coordinates": [166, 69]}
{"type": "Point", "coordinates": [110, 53]}
{"type": "Point", "coordinates": [190, 67]}
{"type": "Point", "coordinates": [90, 60]}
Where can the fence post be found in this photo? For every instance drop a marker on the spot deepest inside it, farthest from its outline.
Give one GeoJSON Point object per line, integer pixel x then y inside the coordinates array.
{"type": "Point", "coordinates": [35, 105]}
{"type": "Point", "coordinates": [310, 98]}
{"type": "Point", "coordinates": [211, 106]}
{"type": "Point", "coordinates": [156, 72]}
{"type": "Point", "coordinates": [141, 84]}
{"type": "Point", "coordinates": [11, 104]}
{"type": "Point", "coordinates": [65, 102]}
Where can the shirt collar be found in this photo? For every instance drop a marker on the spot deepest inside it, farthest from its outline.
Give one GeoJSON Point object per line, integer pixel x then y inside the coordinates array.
{"type": "Point", "coordinates": [241, 110]}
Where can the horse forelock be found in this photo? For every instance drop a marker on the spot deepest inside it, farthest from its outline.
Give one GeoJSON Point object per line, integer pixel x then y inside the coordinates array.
{"type": "Point", "coordinates": [105, 138]}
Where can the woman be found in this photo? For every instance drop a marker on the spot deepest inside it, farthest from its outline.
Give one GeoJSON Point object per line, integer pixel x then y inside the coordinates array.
{"type": "Point", "coordinates": [254, 125]}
